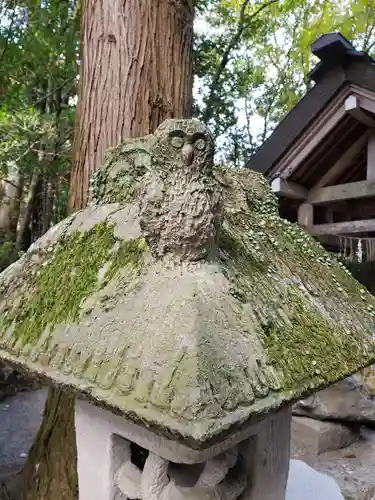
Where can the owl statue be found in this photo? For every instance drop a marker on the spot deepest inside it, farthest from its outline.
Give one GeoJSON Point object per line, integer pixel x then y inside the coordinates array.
{"type": "Point", "coordinates": [180, 198]}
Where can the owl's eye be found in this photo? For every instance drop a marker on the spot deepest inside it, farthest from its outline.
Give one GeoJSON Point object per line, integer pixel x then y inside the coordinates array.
{"type": "Point", "coordinates": [177, 142]}
{"type": "Point", "coordinates": [200, 144]}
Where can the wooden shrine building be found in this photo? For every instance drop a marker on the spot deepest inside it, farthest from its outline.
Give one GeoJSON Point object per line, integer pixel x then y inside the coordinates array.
{"type": "Point", "coordinates": [320, 160]}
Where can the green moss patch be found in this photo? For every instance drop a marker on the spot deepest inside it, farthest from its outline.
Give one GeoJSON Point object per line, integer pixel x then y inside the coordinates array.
{"type": "Point", "coordinates": [307, 349]}
{"type": "Point", "coordinates": [55, 293]}
{"type": "Point", "coordinates": [311, 313]}
{"type": "Point", "coordinates": [129, 254]}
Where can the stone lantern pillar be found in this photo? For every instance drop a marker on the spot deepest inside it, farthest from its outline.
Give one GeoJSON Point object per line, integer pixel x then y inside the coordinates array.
{"type": "Point", "coordinates": [187, 317]}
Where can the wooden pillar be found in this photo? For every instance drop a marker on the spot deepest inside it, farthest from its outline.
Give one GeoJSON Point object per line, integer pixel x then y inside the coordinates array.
{"type": "Point", "coordinates": [329, 216]}
{"type": "Point", "coordinates": [306, 215]}
{"type": "Point", "coordinates": [370, 175]}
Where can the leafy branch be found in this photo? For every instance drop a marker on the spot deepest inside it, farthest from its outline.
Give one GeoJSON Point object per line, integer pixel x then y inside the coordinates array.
{"type": "Point", "coordinates": [9, 32]}
{"type": "Point", "coordinates": [243, 23]}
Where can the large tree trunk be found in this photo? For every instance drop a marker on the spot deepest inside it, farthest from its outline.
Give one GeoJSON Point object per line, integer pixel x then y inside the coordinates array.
{"type": "Point", "coordinates": [136, 71]}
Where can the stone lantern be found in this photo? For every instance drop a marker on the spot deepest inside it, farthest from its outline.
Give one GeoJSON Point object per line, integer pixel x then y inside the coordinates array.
{"type": "Point", "coordinates": [186, 316]}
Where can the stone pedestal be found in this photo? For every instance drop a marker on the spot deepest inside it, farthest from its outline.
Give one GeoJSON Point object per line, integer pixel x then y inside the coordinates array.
{"type": "Point", "coordinates": [267, 454]}
{"type": "Point", "coordinates": [253, 464]}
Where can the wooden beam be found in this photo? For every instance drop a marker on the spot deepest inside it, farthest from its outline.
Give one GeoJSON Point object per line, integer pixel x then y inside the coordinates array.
{"type": "Point", "coordinates": [362, 92]}
{"type": "Point", "coordinates": [343, 162]}
{"type": "Point", "coordinates": [327, 120]}
{"type": "Point", "coordinates": [367, 104]}
{"type": "Point", "coordinates": [349, 227]}
{"type": "Point", "coordinates": [333, 112]}
{"type": "Point", "coordinates": [320, 130]}
{"type": "Point", "coordinates": [306, 215]}
{"type": "Point", "coordinates": [370, 167]}
{"type": "Point", "coordinates": [340, 192]}
{"type": "Point", "coordinates": [353, 107]}
{"type": "Point", "coordinates": [289, 189]}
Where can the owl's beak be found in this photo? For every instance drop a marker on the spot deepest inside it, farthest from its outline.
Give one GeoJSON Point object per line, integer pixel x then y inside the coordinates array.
{"type": "Point", "coordinates": [188, 154]}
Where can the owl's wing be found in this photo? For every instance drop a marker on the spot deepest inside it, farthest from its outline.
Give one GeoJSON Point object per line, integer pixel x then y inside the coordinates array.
{"type": "Point", "coordinates": [118, 179]}
{"type": "Point", "coordinates": [151, 207]}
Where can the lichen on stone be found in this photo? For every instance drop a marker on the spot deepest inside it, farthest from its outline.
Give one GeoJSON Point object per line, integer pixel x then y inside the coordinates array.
{"type": "Point", "coordinates": [305, 301]}
{"type": "Point", "coordinates": [244, 192]}
{"type": "Point", "coordinates": [118, 179]}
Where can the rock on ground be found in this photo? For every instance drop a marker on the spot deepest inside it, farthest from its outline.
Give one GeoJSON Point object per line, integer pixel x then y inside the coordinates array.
{"type": "Point", "coordinates": [305, 483]}
{"type": "Point", "coordinates": [13, 381]}
{"type": "Point", "coordinates": [350, 400]}
{"type": "Point", "coordinates": [316, 437]}
{"type": "Point", "coordinates": [353, 468]}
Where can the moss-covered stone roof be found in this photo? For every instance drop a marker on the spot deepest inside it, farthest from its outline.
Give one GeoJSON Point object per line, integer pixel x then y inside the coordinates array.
{"type": "Point", "coordinates": [190, 348]}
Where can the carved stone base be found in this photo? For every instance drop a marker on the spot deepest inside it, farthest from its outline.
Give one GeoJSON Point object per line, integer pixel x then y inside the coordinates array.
{"type": "Point", "coordinates": [221, 478]}
{"type": "Point", "coordinates": [111, 467]}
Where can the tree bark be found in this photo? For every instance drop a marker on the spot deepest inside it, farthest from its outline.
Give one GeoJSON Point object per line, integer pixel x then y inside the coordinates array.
{"type": "Point", "coordinates": [23, 240]}
{"type": "Point", "coordinates": [9, 213]}
{"type": "Point", "coordinates": [136, 71]}
{"type": "Point", "coordinates": [10, 202]}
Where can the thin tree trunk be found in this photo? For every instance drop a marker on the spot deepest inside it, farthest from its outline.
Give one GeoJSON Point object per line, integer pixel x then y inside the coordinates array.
{"type": "Point", "coordinates": [136, 71]}
{"type": "Point", "coordinates": [9, 214]}
{"type": "Point", "coordinates": [23, 240]}
{"type": "Point", "coordinates": [10, 203]}
{"type": "Point", "coordinates": [50, 197]}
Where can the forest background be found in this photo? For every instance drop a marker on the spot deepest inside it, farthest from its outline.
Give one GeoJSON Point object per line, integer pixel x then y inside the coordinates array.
{"type": "Point", "coordinates": [252, 61]}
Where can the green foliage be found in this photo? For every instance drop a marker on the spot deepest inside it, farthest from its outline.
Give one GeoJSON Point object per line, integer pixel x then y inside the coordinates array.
{"type": "Point", "coordinates": [267, 70]}
{"type": "Point", "coordinates": [252, 60]}
{"type": "Point", "coordinates": [8, 254]}
{"type": "Point", "coordinates": [22, 132]}
{"type": "Point", "coordinates": [39, 44]}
